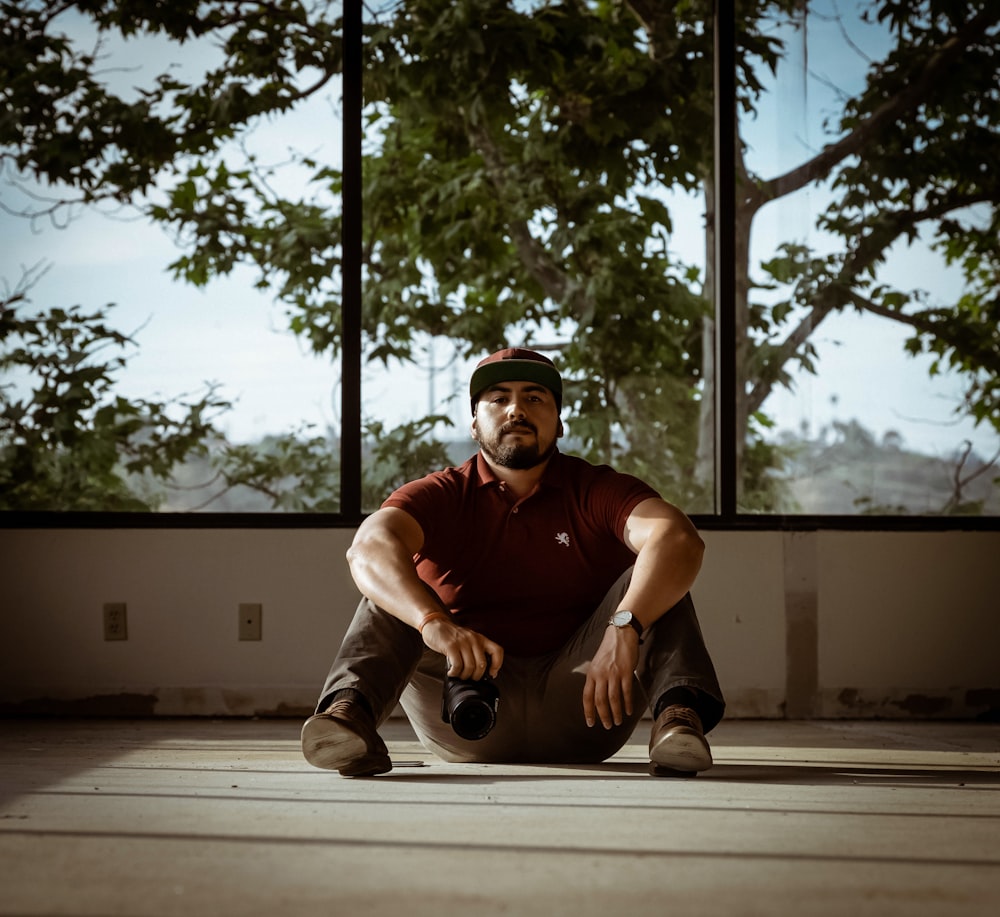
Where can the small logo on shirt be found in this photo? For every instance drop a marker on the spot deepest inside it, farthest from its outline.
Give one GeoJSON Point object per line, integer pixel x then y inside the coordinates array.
{"type": "Point", "coordinates": [563, 539]}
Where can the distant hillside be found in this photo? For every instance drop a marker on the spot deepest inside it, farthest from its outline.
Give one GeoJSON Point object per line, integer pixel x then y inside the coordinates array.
{"type": "Point", "coordinates": [851, 473]}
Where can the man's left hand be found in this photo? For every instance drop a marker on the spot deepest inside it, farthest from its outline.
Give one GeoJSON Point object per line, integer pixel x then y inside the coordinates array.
{"type": "Point", "coordinates": [607, 692]}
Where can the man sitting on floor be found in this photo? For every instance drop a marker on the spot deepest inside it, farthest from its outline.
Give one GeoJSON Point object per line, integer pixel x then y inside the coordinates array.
{"type": "Point", "coordinates": [565, 584]}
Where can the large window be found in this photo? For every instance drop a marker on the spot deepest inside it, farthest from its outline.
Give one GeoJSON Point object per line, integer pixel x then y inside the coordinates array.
{"type": "Point", "coordinates": [151, 359]}
{"type": "Point", "coordinates": [519, 192]}
{"type": "Point", "coordinates": [868, 281]}
{"type": "Point", "coordinates": [774, 301]}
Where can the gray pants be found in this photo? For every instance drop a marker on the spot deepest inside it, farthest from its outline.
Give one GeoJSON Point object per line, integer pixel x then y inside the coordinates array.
{"type": "Point", "coordinates": [540, 717]}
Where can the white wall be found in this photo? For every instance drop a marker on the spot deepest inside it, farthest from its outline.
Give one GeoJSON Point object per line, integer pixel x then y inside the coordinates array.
{"type": "Point", "coordinates": [830, 624]}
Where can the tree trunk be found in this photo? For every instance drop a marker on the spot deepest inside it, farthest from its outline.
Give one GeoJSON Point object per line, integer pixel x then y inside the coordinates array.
{"type": "Point", "coordinates": [746, 207]}
{"type": "Point", "coordinates": [704, 469]}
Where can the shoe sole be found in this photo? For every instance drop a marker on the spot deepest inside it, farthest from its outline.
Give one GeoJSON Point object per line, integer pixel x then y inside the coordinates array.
{"type": "Point", "coordinates": [657, 770]}
{"type": "Point", "coordinates": [683, 751]}
{"type": "Point", "coordinates": [330, 745]}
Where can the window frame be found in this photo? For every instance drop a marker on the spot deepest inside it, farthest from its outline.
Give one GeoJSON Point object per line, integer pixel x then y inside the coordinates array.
{"type": "Point", "coordinates": [726, 517]}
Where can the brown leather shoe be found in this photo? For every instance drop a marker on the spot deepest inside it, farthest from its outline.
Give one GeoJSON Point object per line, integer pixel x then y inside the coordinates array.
{"type": "Point", "coordinates": [677, 745]}
{"type": "Point", "coordinates": [343, 738]}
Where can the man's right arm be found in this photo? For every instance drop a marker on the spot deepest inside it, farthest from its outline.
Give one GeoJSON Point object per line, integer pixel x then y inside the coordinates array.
{"type": "Point", "coordinates": [381, 562]}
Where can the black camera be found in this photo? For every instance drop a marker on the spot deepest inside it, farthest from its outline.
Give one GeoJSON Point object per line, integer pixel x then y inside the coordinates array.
{"type": "Point", "coordinates": [470, 706]}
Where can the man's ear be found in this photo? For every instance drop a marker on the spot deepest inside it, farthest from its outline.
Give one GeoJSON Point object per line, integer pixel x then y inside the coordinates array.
{"type": "Point", "coordinates": [475, 429]}
{"type": "Point", "coordinates": [559, 430]}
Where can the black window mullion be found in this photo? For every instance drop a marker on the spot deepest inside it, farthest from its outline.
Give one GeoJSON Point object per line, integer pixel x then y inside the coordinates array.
{"type": "Point", "coordinates": [350, 388]}
{"type": "Point", "coordinates": [726, 375]}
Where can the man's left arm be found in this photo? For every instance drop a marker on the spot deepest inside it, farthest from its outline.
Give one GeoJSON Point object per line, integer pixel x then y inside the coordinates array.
{"type": "Point", "coordinates": [668, 551]}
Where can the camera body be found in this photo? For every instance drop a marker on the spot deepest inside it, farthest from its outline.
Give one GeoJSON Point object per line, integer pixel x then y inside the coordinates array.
{"type": "Point", "coordinates": [470, 706]}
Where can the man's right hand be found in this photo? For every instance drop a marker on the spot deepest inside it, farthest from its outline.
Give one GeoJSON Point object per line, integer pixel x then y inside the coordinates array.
{"type": "Point", "coordinates": [381, 561]}
{"type": "Point", "coordinates": [470, 655]}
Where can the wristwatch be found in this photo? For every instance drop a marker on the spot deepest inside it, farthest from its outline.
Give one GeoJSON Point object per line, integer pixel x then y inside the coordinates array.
{"type": "Point", "coordinates": [626, 619]}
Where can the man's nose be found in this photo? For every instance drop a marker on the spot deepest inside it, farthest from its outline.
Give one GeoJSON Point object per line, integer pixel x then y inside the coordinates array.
{"type": "Point", "coordinates": [514, 409]}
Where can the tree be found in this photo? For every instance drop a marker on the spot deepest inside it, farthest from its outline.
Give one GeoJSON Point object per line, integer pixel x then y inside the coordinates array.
{"type": "Point", "coordinates": [516, 164]}
{"type": "Point", "coordinates": [67, 441]}
{"type": "Point", "coordinates": [539, 178]}
{"type": "Point", "coordinates": [909, 158]}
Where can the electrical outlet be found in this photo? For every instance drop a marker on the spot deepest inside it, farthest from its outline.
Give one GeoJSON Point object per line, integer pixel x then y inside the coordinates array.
{"type": "Point", "coordinates": [115, 621]}
{"type": "Point", "coordinates": [250, 620]}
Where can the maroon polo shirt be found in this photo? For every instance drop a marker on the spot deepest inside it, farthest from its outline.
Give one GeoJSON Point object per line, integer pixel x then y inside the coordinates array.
{"type": "Point", "coordinates": [524, 573]}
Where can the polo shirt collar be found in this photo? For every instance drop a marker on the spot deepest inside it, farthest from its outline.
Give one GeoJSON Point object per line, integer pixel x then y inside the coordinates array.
{"type": "Point", "coordinates": [551, 477]}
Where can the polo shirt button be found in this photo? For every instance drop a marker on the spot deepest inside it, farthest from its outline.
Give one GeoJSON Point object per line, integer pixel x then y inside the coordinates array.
{"type": "Point", "coordinates": [516, 509]}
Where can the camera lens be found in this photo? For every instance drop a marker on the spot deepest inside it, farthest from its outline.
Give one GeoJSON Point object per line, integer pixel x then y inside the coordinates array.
{"type": "Point", "coordinates": [473, 719]}
{"type": "Point", "coordinates": [470, 707]}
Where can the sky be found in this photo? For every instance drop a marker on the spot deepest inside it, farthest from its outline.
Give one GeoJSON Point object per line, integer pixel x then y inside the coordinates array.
{"type": "Point", "coordinates": [232, 334]}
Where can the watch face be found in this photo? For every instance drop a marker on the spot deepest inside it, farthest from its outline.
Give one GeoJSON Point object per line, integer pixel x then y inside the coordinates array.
{"type": "Point", "coordinates": [621, 618]}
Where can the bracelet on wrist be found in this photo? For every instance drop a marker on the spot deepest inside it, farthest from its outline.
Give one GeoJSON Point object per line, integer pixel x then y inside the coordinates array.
{"type": "Point", "coordinates": [427, 618]}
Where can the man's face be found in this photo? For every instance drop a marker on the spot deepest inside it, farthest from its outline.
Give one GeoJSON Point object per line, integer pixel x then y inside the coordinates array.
{"type": "Point", "coordinates": [517, 424]}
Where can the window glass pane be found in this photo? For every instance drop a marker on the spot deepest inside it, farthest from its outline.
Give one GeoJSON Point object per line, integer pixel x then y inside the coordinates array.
{"type": "Point", "coordinates": [241, 221]}
{"type": "Point", "coordinates": [415, 417]}
{"type": "Point", "coordinates": [535, 175]}
{"type": "Point", "coordinates": [871, 220]}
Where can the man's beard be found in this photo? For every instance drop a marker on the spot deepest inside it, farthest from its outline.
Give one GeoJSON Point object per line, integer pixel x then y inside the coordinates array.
{"type": "Point", "coordinates": [518, 456]}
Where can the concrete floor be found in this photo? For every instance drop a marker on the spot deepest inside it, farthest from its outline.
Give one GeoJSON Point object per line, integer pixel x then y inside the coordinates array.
{"type": "Point", "coordinates": [210, 817]}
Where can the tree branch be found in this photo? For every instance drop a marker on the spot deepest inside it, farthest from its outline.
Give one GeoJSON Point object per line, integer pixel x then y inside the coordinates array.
{"type": "Point", "coordinates": [914, 321]}
{"type": "Point", "coordinates": [657, 20]}
{"type": "Point", "coordinates": [959, 483]}
{"type": "Point", "coordinates": [550, 277]}
{"type": "Point", "coordinates": [868, 251]}
{"type": "Point", "coordinates": [934, 70]}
